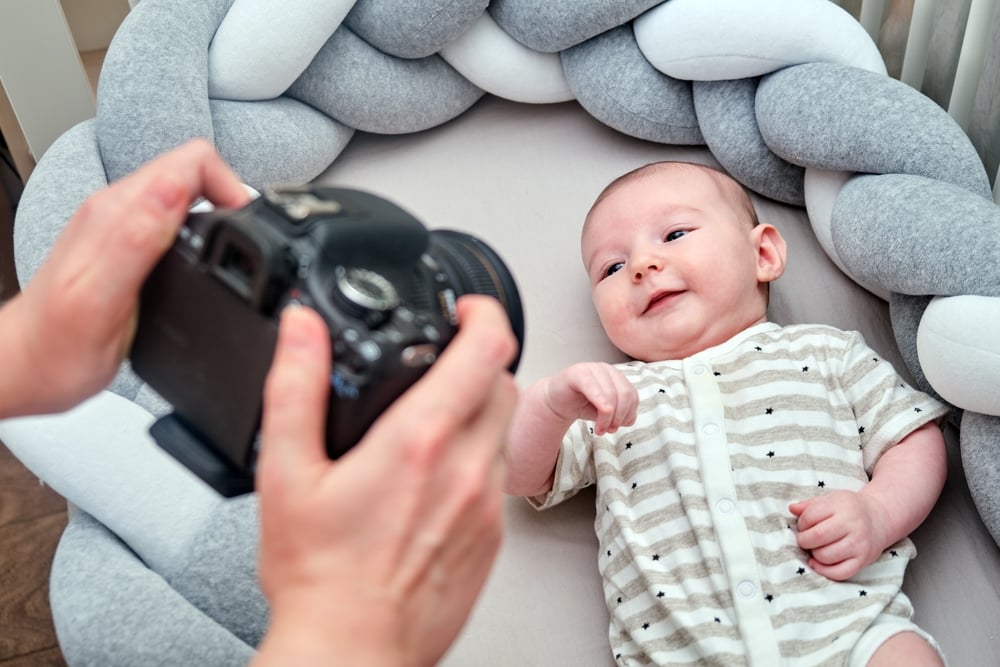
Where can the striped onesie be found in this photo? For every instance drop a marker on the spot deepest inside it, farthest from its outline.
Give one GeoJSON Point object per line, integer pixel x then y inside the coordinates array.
{"type": "Point", "coordinates": [697, 546]}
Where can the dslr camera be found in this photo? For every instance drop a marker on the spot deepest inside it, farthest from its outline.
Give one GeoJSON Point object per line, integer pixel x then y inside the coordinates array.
{"type": "Point", "coordinates": [384, 284]}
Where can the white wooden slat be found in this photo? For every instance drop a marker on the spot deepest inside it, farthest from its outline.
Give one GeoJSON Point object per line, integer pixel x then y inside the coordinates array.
{"type": "Point", "coordinates": [970, 60]}
{"type": "Point", "coordinates": [917, 43]}
{"type": "Point", "coordinates": [872, 12]}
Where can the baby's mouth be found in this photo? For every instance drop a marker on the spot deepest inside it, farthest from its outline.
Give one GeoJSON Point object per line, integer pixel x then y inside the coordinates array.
{"type": "Point", "coordinates": [659, 299]}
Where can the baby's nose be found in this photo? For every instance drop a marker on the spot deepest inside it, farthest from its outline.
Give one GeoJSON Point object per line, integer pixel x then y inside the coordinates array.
{"type": "Point", "coordinates": [645, 268]}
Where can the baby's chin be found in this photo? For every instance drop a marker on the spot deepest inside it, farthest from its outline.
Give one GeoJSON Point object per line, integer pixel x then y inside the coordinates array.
{"type": "Point", "coordinates": [676, 350]}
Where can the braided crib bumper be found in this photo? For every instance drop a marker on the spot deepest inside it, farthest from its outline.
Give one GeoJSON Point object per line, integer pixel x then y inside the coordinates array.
{"type": "Point", "coordinates": [790, 96]}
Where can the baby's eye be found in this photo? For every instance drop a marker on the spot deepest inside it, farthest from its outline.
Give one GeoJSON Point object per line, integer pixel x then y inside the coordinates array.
{"type": "Point", "coordinates": [674, 235]}
{"type": "Point", "coordinates": [614, 268]}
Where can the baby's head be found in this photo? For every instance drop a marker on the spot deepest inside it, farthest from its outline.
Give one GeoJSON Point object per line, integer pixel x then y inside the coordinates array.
{"type": "Point", "coordinates": [677, 260]}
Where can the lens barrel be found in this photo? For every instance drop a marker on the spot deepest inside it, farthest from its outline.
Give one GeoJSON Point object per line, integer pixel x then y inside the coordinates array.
{"type": "Point", "coordinates": [475, 268]}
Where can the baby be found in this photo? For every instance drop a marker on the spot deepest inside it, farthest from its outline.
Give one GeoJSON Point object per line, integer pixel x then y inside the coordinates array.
{"type": "Point", "coordinates": [755, 483]}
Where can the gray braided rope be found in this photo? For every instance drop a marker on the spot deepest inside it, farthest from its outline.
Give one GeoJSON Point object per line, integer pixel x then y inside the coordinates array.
{"type": "Point", "coordinates": [790, 96]}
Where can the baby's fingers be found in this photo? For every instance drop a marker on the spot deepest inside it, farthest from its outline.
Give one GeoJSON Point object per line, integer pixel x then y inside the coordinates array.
{"type": "Point", "coordinates": [840, 571]}
{"type": "Point", "coordinates": [615, 402]}
{"type": "Point", "coordinates": [627, 403]}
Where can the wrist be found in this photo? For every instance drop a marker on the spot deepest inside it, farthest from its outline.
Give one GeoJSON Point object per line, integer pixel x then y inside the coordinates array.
{"type": "Point", "coordinates": [305, 639]}
{"type": "Point", "coordinates": [884, 529]}
{"type": "Point", "coordinates": [552, 403]}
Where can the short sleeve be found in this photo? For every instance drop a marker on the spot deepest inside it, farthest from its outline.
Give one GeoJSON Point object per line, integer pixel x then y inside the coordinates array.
{"type": "Point", "coordinates": [886, 408]}
{"type": "Point", "coordinates": [575, 468]}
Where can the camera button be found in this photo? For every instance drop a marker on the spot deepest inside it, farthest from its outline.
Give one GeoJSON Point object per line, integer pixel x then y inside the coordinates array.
{"type": "Point", "coordinates": [431, 332]}
{"type": "Point", "coordinates": [416, 356]}
{"type": "Point", "coordinates": [369, 350]}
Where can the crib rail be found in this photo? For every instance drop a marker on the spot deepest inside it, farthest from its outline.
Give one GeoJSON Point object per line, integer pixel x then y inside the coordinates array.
{"type": "Point", "coordinates": [949, 50]}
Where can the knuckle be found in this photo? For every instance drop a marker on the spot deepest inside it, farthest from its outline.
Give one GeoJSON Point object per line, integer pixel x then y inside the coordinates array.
{"type": "Point", "coordinates": [498, 347]}
{"type": "Point", "coordinates": [425, 443]}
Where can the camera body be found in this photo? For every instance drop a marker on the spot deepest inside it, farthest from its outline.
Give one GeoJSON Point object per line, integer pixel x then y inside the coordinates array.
{"type": "Point", "coordinates": [384, 284]}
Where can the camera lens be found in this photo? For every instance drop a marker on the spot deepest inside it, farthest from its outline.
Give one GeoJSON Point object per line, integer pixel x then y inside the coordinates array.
{"type": "Point", "coordinates": [475, 268]}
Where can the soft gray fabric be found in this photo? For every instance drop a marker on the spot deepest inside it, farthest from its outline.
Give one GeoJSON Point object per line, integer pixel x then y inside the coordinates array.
{"type": "Point", "coordinates": [68, 173]}
{"type": "Point", "coordinates": [980, 446]}
{"type": "Point", "coordinates": [220, 577]}
{"type": "Point", "coordinates": [554, 25]}
{"type": "Point", "coordinates": [412, 29]}
{"type": "Point", "coordinates": [137, 123]}
{"type": "Point", "coordinates": [727, 119]}
{"type": "Point", "coordinates": [617, 85]}
{"type": "Point", "coordinates": [366, 89]}
{"type": "Point", "coordinates": [112, 611]}
{"type": "Point", "coordinates": [250, 134]}
{"type": "Point", "coordinates": [905, 312]}
{"type": "Point", "coordinates": [917, 251]}
{"type": "Point", "coordinates": [842, 118]}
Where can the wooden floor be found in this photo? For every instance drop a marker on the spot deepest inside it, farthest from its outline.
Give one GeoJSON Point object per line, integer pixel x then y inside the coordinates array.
{"type": "Point", "coordinates": [32, 518]}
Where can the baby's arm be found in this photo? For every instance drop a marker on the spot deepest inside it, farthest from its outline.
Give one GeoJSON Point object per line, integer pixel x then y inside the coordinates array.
{"type": "Point", "coordinates": [594, 391]}
{"type": "Point", "coordinates": [847, 531]}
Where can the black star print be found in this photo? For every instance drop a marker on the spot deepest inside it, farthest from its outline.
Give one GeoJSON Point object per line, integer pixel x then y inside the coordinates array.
{"type": "Point", "coordinates": [769, 597]}
{"type": "Point", "coordinates": [758, 348]}
{"type": "Point", "coordinates": [619, 600]}
{"type": "Point", "coordinates": [591, 430]}
{"type": "Point", "coordinates": [821, 484]}
{"type": "Point", "coordinates": [645, 626]}
{"type": "Point", "coordinates": [656, 557]}
{"type": "Point", "coordinates": [663, 391]}
{"type": "Point", "coordinates": [769, 411]}
{"type": "Point", "coordinates": [770, 454]}
{"type": "Point", "coordinates": [863, 594]}
{"type": "Point", "coordinates": [917, 409]}
{"type": "Point", "coordinates": [875, 359]}
{"type": "Point", "coordinates": [800, 571]}
{"type": "Point", "coordinates": [628, 445]}
{"type": "Point", "coordinates": [805, 369]}
{"type": "Point", "coordinates": [634, 484]}
{"type": "Point", "coordinates": [716, 373]}
{"type": "Point", "coordinates": [618, 656]}
{"type": "Point", "coordinates": [660, 594]}
{"type": "Point", "coordinates": [718, 620]}
{"type": "Point", "coordinates": [609, 553]}
{"type": "Point", "coordinates": [894, 553]}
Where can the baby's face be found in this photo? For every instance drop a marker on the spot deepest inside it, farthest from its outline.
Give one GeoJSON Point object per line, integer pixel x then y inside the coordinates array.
{"type": "Point", "coordinates": [673, 265]}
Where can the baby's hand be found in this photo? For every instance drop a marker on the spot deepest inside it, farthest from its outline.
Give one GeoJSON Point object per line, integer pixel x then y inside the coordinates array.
{"type": "Point", "coordinates": [594, 391]}
{"type": "Point", "coordinates": [843, 530]}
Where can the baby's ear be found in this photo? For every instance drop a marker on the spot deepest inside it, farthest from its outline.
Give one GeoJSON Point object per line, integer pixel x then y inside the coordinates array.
{"type": "Point", "coordinates": [771, 252]}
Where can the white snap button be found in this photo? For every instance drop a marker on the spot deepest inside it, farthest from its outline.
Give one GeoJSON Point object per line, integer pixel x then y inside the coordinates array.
{"type": "Point", "coordinates": [725, 506]}
{"type": "Point", "coordinates": [746, 589]}
{"type": "Point", "coordinates": [699, 370]}
{"type": "Point", "coordinates": [710, 429]}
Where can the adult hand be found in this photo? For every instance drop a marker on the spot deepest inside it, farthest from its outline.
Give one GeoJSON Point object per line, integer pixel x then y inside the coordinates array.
{"type": "Point", "coordinates": [378, 557]}
{"type": "Point", "coordinates": [66, 334]}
